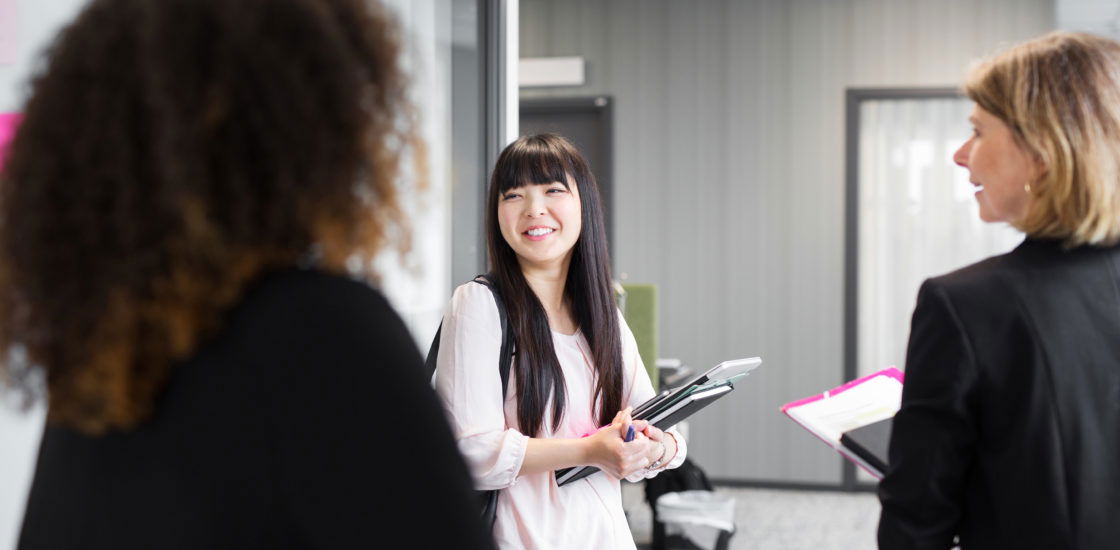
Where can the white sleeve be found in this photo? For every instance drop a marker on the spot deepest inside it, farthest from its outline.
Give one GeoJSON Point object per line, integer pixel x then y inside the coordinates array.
{"type": "Point", "coordinates": [638, 389]}
{"type": "Point", "coordinates": [468, 381]}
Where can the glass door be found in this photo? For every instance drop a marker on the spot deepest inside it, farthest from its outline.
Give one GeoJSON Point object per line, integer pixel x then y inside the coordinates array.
{"type": "Point", "coordinates": [911, 215]}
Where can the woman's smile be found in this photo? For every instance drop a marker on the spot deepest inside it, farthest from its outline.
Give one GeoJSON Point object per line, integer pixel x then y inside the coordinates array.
{"type": "Point", "coordinates": [541, 222]}
{"type": "Point", "coordinates": [538, 232]}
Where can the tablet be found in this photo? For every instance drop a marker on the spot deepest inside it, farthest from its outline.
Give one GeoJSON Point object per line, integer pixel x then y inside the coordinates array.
{"type": "Point", "coordinates": [684, 408]}
{"type": "Point", "coordinates": [722, 371]}
{"type": "Point", "coordinates": [727, 369]}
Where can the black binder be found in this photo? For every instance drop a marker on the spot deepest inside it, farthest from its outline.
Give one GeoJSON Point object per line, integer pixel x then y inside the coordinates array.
{"type": "Point", "coordinates": [670, 407]}
{"type": "Point", "coordinates": [870, 443]}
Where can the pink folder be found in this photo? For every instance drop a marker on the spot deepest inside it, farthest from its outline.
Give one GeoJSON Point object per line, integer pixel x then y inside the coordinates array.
{"type": "Point", "coordinates": [892, 372]}
{"type": "Point", "coordinates": [8, 124]}
{"type": "Point", "coordinates": [864, 400]}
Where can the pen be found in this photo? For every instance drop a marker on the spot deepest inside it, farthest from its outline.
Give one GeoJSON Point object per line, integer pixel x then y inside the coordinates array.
{"type": "Point", "coordinates": [629, 433]}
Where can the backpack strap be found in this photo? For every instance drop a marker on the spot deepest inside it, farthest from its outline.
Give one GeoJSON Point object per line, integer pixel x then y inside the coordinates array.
{"type": "Point", "coordinates": [505, 354]}
{"type": "Point", "coordinates": [489, 499]}
{"type": "Point", "coordinates": [430, 360]}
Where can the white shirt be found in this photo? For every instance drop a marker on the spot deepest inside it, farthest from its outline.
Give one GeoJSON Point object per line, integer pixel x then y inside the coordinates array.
{"type": "Point", "coordinates": [533, 512]}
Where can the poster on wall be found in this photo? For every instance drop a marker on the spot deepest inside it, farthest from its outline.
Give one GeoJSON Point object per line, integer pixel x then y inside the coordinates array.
{"type": "Point", "coordinates": [8, 28]}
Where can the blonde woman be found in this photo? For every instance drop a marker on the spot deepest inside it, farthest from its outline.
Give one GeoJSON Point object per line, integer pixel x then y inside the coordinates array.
{"type": "Point", "coordinates": [1009, 432]}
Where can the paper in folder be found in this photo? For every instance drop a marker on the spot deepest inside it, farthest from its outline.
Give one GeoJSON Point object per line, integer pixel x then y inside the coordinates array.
{"type": "Point", "coordinates": [670, 407]}
{"type": "Point", "coordinates": [838, 415]}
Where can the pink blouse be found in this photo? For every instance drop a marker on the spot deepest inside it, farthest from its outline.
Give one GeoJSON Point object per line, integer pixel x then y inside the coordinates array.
{"type": "Point", "coordinates": [533, 512]}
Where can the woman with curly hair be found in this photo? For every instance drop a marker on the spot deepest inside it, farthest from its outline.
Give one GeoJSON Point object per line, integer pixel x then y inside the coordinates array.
{"type": "Point", "coordinates": [184, 215]}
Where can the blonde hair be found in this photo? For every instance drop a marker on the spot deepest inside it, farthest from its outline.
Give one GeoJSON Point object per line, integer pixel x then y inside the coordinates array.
{"type": "Point", "coordinates": [1060, 96]}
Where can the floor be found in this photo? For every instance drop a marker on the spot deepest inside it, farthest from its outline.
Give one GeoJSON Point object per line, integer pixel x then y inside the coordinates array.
{"type": "Point", "coordinates": [771, 519]}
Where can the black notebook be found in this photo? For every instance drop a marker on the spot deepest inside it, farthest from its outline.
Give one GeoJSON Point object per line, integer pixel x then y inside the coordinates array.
{"type": "Point", "coordinates": [870, 444]}
{"type": "Point", "coordinates": [670, 407]}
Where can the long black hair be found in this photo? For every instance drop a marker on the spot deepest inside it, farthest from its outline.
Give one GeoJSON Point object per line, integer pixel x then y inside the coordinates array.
{"type": "Point", "coordinates": [543, 159]}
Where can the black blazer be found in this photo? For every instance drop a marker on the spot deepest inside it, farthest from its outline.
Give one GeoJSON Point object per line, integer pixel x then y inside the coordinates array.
{"type": "Point", "coordinates": [1009, 432]}
{"type": "Point", "coordinates": [305, 423]}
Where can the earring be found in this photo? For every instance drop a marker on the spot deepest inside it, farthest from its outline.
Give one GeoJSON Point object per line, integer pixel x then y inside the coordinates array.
{"type": "Point", "coordinates": [1027, 188]}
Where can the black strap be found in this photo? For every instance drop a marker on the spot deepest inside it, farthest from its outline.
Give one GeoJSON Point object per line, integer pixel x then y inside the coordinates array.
{"type": "Point", "coordinates": [430, 360]}
{"type": "Point", "coordinates": [505, 354]}
{"type": "Point", "coordinates": [505, 360]}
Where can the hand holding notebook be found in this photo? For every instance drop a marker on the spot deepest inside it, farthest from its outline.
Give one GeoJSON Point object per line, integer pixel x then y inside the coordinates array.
{"type": "Point", "coordinates": [670, 407]}
{"type": "Point", "coordinates": [620, 448]}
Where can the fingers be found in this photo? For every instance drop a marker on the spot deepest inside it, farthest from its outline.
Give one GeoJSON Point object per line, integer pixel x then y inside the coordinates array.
{"type": "Point", "coordinates": [633, 468]}
{"type": "Point", "coordinates": [632, 456]}
{"type": "Point", "coordinates": [623, 415]}
{"type": "Point", "coordinates": [627, 465]}
{"type": "Point", "coordinates": [635, 462]}
{"type": "Point", "coordinates": [624, 458]}
{"type": "Point", "coordinates": [624, 421]}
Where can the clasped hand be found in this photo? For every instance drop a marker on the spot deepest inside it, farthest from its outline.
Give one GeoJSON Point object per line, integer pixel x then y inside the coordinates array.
{"type": "Point", "coordinates": [612, 454]}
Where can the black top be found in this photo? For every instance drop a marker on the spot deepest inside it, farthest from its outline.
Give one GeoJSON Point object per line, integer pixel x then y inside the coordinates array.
{"type": "Point", "coordinates": [1009, 431]}
{"type": "Point", "coordinates": [305, 423]}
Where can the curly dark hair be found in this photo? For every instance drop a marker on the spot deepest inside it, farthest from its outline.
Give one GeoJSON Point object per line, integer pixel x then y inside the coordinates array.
{"type": "Point", "coordinates": [171, 152]}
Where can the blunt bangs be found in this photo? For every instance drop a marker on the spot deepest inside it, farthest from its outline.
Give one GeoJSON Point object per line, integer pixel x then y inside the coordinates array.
{"type": "Point", "coordinates": [537, 163]}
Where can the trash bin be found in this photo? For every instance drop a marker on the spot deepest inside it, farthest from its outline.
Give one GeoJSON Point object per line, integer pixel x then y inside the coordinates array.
{"type": "Point", "coordinates": [697, 519]}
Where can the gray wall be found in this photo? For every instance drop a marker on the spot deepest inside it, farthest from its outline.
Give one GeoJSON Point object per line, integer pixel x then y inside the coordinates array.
{"type": "Point", "coordinates": [1095, 16]}
{"type": "Point", "coordinates": [729, 175]}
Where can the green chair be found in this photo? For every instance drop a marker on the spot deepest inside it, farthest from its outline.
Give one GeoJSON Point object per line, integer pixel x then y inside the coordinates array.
{"type": "Point", "coordinates": [638, 302]}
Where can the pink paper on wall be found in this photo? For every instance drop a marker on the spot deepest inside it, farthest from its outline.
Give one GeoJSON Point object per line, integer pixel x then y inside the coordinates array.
{"type": "Point", "coordinates": [8, 27]}
{"type": "Point", "coordinates": [8, 124]}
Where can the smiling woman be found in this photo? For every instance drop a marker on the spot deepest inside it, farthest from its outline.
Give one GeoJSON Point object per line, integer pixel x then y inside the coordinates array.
{"type": "Point", "coordinates": [577, 370]}
{"type": "Point", "coordinates": [541, 222]}
{"type": "Point", "coordinates": [1011, 371]}
{"type": "Point", "coordinates": [1000, 168]}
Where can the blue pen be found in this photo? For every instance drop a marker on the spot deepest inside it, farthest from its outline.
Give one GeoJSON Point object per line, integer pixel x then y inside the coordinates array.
{"type": "Point", "coordinates": [629, 433]}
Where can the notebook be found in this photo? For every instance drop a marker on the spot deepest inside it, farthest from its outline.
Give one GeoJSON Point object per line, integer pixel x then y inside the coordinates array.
{"type": "Point", "coordinates": [672, 406]}
{"type": "Point", "coordinates": [861, 402]}
{"type": "Point", "coordinates": [870, 443]}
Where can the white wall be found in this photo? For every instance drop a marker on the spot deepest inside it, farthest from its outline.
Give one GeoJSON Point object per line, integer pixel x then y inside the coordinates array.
{"type": "Point", "coordinates": [419, 285]}
{"type": "Point", "coordinates": [37, 22]}
{"type": "Point", "coordinates": [19, 442]}
{"type": "Point", "coordinates": [1095, 16]}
